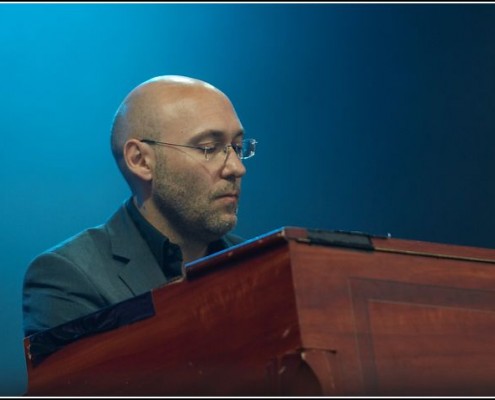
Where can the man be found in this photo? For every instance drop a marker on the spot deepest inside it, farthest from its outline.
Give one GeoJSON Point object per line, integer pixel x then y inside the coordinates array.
{"type": "Point", "coordinates": [178, 143]}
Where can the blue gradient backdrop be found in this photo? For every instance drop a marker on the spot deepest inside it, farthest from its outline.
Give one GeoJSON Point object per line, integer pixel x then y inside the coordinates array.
{"type": "Point", "coordinates": [370, 117]}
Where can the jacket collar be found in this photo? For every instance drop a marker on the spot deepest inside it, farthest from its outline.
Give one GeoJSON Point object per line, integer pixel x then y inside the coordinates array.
{"type": "Point", "coordinates": [140, 270]}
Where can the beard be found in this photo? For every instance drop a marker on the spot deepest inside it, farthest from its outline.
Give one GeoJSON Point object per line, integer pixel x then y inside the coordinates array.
{"type": "Point", "coordinates": [189, 206]}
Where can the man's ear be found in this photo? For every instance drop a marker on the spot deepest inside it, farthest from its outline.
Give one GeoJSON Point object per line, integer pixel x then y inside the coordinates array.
{"type": "Point", "coordinates": [139, 159]}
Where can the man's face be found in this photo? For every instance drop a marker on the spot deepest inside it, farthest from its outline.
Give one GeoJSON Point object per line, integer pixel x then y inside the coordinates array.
{"type": "Point", "coordinates": [198, 198]}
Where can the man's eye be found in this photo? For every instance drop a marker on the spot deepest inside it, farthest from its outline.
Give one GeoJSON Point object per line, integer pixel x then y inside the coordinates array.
{"type": "Point", "coordinates": [210, 148]}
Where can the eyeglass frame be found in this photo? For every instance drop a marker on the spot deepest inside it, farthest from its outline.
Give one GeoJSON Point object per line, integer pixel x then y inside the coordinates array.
{"type": "Point", "coordinates": [206, 147]}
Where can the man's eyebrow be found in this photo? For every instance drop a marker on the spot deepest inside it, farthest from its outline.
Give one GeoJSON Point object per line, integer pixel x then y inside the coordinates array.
{"type": "Point", "coordinates": [214, 136]}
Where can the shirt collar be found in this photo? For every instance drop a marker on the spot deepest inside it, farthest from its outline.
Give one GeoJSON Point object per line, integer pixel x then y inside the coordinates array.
{"type": "Point", "coordinates": [167, 254]}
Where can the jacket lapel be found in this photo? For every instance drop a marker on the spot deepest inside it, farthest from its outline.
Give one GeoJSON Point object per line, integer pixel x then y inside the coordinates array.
{"type": "Point", "coordinates": [140, 270]}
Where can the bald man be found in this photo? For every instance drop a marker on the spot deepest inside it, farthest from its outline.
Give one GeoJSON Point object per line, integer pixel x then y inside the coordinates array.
{"type": "Point", "coordinates": [179, 145]}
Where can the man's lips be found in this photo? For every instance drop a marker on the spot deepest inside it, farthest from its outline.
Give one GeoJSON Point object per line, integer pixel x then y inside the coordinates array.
{"type": "Point", "coordinates": [229, 195]}
{"type": "Point", "coordinates": [233, 196]}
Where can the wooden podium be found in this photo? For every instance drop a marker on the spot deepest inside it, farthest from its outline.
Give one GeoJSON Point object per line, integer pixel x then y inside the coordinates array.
{"type": "Point", "coordinates": [293, 312]}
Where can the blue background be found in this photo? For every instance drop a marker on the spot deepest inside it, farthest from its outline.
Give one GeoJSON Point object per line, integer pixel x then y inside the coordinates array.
{"type": "Point", "coordinates": [370, 117]}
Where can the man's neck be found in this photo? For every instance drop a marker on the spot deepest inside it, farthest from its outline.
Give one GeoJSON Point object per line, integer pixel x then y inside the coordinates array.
{"type": "Point", "coordinates": [190, 252]}
{"type": "Point", "coordinates": [191, 249]}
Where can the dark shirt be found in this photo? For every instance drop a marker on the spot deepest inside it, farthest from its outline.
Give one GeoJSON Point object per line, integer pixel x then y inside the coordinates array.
{"type": "Point", "coordinates": [167, 254]}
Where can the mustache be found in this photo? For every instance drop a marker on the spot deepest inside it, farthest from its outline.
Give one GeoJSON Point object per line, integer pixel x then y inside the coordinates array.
{"type": "Point", "coordinates": [231, 190]}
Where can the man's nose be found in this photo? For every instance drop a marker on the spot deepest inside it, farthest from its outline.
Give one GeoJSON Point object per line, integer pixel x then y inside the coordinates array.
{"type": "Point", "coordinates": [233, 165]}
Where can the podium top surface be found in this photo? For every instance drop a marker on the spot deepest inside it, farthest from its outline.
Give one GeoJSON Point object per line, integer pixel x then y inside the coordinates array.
{"type": "Point", "coordinates": [343, 239]}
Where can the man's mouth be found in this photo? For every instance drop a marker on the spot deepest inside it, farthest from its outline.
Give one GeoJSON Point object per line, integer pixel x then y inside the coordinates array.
{"type": "Point", "coordinates": [232, 194]}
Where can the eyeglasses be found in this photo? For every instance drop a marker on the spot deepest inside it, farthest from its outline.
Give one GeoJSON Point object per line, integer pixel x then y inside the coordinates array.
{"type": "Point", "coordinates": [244, 149]}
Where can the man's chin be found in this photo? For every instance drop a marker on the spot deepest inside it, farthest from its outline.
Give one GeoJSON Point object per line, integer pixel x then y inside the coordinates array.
{"type": "Point", "coordinates": [224, 225]}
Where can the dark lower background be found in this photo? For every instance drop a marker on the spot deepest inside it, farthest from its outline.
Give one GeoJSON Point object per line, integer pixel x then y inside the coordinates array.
{"type": "Point", "coordinates": [370, 117]}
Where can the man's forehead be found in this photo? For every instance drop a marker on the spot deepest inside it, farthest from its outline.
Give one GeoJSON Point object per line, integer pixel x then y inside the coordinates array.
{"type": "Point", "coordinates": [191, 117]}
{"type": "Point", "coordinates": [217, 135]}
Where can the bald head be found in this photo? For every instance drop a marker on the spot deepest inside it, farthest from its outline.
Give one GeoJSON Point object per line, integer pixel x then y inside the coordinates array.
{"type": "Point", "coordinates": [146, 110]}
{"type": "Point", "coordinates": [143, 111]}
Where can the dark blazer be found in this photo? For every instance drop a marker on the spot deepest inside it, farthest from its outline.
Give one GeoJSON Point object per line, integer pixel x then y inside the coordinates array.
{"type": "Point", "coordinates": [92, 270]}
